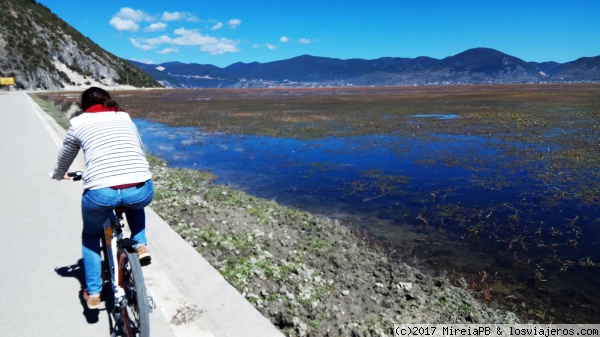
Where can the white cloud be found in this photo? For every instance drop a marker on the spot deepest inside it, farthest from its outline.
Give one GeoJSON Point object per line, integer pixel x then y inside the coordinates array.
{"type": "Point", "coordinates": [187, 37]}
{"type": "Point", "coordinates": [207, 43]}
{"type": "Point", "coordinates": [173, 16]}
{"type": "Point", "coordinates": [168, 51]}
{"type": "Point", "coordinates": [155, 27]}
{"type": "Point", "coordinates": [305, 41]}
{"type": "Point", "coordinates": [141, 44]}
{"type": "Point", "coordinates": [284, 39]}
{"type": "Point", "coordinates": [127, 13]}
{"type": "Point", "coordinates": [191, 38]}
{"type": "Point", "coordinates": [124, 25]}
{"type": "Point", "coordinates": [143, 61]}
{"type": "Point", "coordinates": [217, 26]}
{"type": "Point", "coordinates": [266, 45]}
{"type": "Point", "coordinates": [233, 23]}
{"type": "Point", "coordinates": [177, 16]}
{"type": "Point", "coordinates": [126, 19]}
{"type": "Point", "coordinates": [220, 46]}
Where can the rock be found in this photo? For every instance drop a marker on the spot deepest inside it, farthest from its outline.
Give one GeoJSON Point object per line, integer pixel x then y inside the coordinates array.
{"type": "Point", "coordinates": [405, 286]}
{"type": "Point", "coordinates": [266, 254]}
{"type": "Point", "coordinates": [302, 329]}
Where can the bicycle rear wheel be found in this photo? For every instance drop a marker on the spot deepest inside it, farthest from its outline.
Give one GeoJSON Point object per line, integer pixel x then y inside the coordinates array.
{"type": "Point", "coordinates": [135, 309]}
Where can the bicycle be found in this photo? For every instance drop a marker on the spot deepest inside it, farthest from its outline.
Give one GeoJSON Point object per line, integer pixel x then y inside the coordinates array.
{"type": "Point", "coordinates": [131, 304]}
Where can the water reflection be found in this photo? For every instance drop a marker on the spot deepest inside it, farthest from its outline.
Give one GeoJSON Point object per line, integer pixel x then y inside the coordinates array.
{"type": "Point", "coordinates": [436, 116]}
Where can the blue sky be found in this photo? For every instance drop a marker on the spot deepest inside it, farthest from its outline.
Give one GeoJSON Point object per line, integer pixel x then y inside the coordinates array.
{"type": "Point", "coordinates": [225, 32]}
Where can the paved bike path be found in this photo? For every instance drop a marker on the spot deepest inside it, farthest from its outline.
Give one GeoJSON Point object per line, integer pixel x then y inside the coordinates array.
{"type": "Point", "coordinates": [40, 251]}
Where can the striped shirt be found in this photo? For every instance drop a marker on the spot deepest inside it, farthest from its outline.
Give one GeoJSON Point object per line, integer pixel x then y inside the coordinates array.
{"type": "Point", "coordinates": [112, 150]}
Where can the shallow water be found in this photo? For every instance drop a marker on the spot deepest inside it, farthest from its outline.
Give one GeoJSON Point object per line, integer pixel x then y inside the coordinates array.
{"type": "Point", "coordinates": [463, 204]}
{"type": "Point", "coordinates": [436, 116]}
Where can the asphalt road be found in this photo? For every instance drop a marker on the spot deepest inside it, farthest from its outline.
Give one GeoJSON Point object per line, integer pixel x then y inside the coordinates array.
{"type": "Point", "coordinates": [40, 251]}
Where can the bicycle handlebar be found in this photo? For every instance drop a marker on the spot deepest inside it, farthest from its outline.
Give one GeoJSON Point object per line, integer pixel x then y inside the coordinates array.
{"type": "Point", "coordinates": [77, 175]}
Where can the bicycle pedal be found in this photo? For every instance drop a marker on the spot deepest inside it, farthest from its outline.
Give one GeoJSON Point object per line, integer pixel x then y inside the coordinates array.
{"type": "Point", "coordinates": [151, 303]}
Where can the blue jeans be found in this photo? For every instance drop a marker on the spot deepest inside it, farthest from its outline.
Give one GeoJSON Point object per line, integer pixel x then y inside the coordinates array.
{"type": "Point", "coordinates": [96, 208]}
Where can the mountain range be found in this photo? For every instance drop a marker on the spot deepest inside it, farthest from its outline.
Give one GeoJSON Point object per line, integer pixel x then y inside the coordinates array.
{"type": "Point", "coordinates": [41, 51]}
{"type": "Point", "coordinates": [473, 66]}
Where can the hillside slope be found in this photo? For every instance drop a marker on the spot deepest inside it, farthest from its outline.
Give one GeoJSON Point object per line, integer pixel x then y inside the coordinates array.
{"type": "Point", "coordinates": [41, 51]}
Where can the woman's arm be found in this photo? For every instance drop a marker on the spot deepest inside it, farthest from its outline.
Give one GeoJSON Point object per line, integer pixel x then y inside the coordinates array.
{"type": "Point", "coordinates": [66, 155]}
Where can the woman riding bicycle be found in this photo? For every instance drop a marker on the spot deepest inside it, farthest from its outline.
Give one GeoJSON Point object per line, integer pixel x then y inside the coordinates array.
{"type": "Point", "coordinates": [116, 174]}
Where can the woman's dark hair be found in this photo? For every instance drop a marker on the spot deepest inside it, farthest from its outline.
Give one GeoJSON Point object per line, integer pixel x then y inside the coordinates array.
{"type": "Point", "coordinates": [93, 96]}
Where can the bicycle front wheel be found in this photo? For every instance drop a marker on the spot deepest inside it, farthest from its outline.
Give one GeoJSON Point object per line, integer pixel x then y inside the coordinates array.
{"type": "Point", "coordinates": [135, 309]}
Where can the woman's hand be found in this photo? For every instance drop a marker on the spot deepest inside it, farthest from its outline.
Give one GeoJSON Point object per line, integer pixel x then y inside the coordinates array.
{"type": "Point", "coordinates": [65, 177]}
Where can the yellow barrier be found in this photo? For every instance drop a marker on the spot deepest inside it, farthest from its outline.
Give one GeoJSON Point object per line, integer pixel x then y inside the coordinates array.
{"type": "Point", "coordinates": [7, 80]}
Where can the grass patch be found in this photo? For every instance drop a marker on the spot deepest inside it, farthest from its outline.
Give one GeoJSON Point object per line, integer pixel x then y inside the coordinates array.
{"type": "Point", "coordinates": [51, 110]}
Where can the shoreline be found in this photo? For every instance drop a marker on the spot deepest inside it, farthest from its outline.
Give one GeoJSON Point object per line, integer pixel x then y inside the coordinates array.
{"type": "Point", "coordinates": [310, 275]}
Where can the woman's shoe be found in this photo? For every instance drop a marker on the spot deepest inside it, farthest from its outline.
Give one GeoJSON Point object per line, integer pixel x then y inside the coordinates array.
{"type": "Point", "coordinates": [143, 255]}
{"type": "Point", "coordinates": [92, 301]}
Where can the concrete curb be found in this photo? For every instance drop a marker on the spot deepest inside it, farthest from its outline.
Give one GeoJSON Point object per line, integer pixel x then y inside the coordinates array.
{"type": "Point", "coordinates": [188, 291]}
{"type": "Point", "coordinates": [204, 303]}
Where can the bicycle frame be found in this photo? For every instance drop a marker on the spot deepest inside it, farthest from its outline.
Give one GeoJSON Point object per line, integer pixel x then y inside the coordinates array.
{"type": "Point", "coordinates": [113, 233]}
{"type": "Point", "coordinates": [118, 249]}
